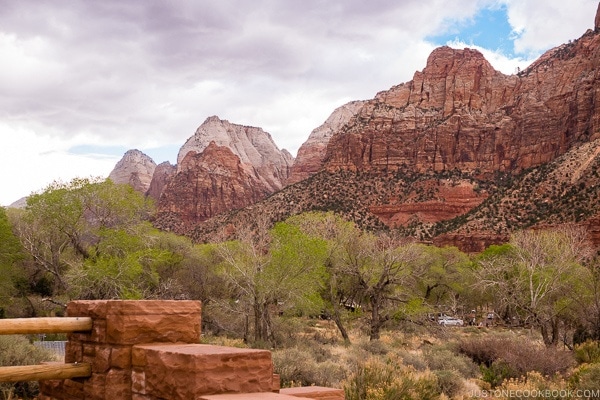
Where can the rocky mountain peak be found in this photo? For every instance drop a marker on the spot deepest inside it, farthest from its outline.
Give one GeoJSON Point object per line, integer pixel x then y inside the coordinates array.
{"type": "Point", "coordinates": [134, 168]}
{"type": "Point", "coordinates": [312, 152]}
{"type": "Point", "coordinates": [597, 20]}
{"type": "Point", "coordinates": [256, 149]}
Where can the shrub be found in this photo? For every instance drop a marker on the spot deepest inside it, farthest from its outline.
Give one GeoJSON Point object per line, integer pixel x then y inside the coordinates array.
{"type": "Point", "coordinates": [505, 357]}
{"type": "Point", "coordinates": [588, 352]}
{"type": "Point", "coordinates": [378, 380]}
{"type": "Point", "coordinates": [524, 387]}
{"type": "Point", "coordinates": [16, 350]}
{"type": "Point", "coordinates": [449, 382]}
{"type": "Point", "coordinates": [586, 377]}
{"type": "Point", "coordinates": [439, 358]}
{"type": "Point", "coordinates": [308, 366]}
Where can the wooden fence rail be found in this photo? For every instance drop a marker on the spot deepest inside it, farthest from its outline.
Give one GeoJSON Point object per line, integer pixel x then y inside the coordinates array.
{"type": "Point", "coordinates": [44, 325]}
{"type": "Point", "coordinates": [51, 370]}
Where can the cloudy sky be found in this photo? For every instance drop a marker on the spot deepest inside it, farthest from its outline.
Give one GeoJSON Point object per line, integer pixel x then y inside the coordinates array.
{"type": "Point", "coordinates": [81, 82]}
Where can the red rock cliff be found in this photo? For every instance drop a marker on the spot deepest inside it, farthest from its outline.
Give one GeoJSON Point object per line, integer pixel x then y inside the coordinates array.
{"type": "Point", "coordinates": [460, 113]}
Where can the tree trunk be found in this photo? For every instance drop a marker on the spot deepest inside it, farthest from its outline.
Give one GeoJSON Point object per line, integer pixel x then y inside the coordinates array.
{"type": "Point", "coordinates": [375, 328]}
{"type": "Point", "coordinates": [550, 332]}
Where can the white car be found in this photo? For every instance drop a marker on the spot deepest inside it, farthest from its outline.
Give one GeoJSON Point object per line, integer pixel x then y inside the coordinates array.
{"type": "Point", "coordinates": [450, 321]}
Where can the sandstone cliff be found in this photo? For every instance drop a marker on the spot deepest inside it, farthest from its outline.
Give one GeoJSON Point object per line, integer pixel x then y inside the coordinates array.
{"type": "Point", "coordinates": [136, 169]}
{"type": "Point", "coordinates": [461, 113]}
{"type": "Point", "coordinates": [312, 152]}
{"type": "Point", "coordinates": [258, 153]}
{"type": "Point", "coordinates": [163, 174]}
{"type": "Point", "coordinates": [462, 154]}
{"type": "Point", "coordinates": [207, 184]}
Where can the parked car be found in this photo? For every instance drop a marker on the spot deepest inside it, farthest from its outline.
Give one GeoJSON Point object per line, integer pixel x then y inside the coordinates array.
{"type": "Point", "coordinates": [450, 321]}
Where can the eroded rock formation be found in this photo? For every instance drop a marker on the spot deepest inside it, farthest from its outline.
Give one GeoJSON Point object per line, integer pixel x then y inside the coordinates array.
{"type": "Point", "coordinates": [312, 152]}
{"type": "Point", "coordinates": [136, 169]}
{"type": "Point", "coordinates": [460, 113]}
{"type": "Point", "coordinates": [258, 153]}
{"type": "Point", "coordinates": [207, 184]}
{"type": "Point", "coordinates": [163, 174]}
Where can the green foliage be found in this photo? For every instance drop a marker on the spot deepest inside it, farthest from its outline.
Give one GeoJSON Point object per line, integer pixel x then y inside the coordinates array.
{"type": "Point", "coordinates": [124, 266]}
{"type": "Point", "coordinates": [586, 377]}
{"type": "Point", "coordinates": [588, 352]}
{"type": "Point", "coordinates": [11, 252]}
{"type": "Point", "coordinates": [16, 350]}
{"type": "Point", "coordinates": [377, 380]}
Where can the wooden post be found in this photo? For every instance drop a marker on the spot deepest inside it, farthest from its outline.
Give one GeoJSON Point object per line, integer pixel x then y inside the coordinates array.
{"type": "Point", "coordinates": [44, 372]}
{"type": "Point", "coordinates": [44, 325]}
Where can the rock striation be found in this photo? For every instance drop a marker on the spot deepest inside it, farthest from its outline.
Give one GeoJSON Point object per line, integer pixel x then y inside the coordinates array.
{"type": "Point", "coordinates": [207, 184]}
{"type": "Point", "coordinates": [312, 152]}
{"type": "Point", "coordinates": [461, 154]}
{"type": "Point", "coordinates": [460, 113]}
{"type": "Point", "coordinates": [135, 169]}
{"type": "Point", "coordinates": [222, 167]}
{"type": "Point", "coordinates": [163, 174]}
{"type": "Point", "coordinates": [258, 153]}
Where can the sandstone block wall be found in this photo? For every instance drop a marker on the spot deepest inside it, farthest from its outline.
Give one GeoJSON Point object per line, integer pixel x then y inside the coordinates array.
{"type": "Point", "coordinates": [149, 350]}
{"type": "Point", "coordinates": [117, 327]}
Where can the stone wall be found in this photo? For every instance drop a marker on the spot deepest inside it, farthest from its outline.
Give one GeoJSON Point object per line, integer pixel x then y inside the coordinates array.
{"type": "Point", "coordinates": [149, 350]}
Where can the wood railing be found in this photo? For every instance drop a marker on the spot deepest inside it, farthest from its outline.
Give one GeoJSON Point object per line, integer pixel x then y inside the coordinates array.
{"type": "Point", "coordinates": [50, 370]}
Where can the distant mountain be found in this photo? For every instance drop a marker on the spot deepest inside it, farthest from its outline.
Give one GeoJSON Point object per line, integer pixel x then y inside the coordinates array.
{"type": "Point", "coordinates": [462, 154]}
{"type": "Point", "coordinates": [312, 153]}
{"type": "Point", "coordinates": [222, 167]}
{"type": "Point", "coordinates": [136, 169]}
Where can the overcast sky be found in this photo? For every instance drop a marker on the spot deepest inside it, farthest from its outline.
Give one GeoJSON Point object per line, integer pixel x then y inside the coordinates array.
{"type": "Point", "coordinates": [81, 81]}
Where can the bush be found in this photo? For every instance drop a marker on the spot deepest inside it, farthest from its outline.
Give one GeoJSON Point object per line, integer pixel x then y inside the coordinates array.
{"type": "Point", "coordinates": [531, 383]}
{"type": "Point", "coordinates": [588, 352]}
{"type": "Point", "coordinates": [16, 350]}
{"type": "Point", "coordinates": [587, 377]}
{"type": "Point", "coordinates": [449, 382]}
{"type": "Point", "coordinates": [378, 380]}
{"type": "Point", "coordinates": [440, 358]}
{"type": "Point", "coordinates": [308, 366]}
{"type": "Point", "coordinates": [505, 357]}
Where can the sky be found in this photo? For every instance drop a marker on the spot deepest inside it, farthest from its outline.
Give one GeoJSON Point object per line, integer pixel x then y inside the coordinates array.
{"type": "Point", "coordinates": [82, 82]}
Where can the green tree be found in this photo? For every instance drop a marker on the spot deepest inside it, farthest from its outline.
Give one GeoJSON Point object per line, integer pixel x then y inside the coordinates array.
{"type": "Point", "coordinates": [267, 270]}
{"type": "Point", "coordinates": [62, 228]}
{"type": "Point", "coordinates": [382, 271]}
{"type": "Point", "coordinates": [11, 253]}
{"type": "Point", "coordinates": [445, 276]}
{"type": "Point", "coordinates": [538, 277]}
{"type": "Point", "coordinates": [338, 292]}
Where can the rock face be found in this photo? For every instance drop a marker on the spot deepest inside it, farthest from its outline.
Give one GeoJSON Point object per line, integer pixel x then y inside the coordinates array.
{"type": "Point", "coordinates": [312, 152]}
{"type": "Point", "coordinates": [518, 150]}
{"type": "Point", "coordinates": [255, 148]}
{"type": "Point", "coordinates": [163, 174]}
{"type": "Point", "coordinates": [222, 167]}
{"type": "Point", "coordinates": [460, 113]}
{"type": "Point", "coordinates": [207, 184]}
{"type": "Point", "coordinates": [136, 169]}
{"type": "Point", "coordinates": [597, 20]}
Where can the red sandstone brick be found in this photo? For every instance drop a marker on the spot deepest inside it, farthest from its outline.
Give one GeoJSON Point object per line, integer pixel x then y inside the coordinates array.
{"type": "Point", "coordinates": [185, 371]}
{"type": "Point", "coordinates": [250, 396]}
{"type": "Point", "coordinates": [137, 329]}
{"type": "Point", "coordinates": [118, 384]}
{"type": "Point", "coordinates": [150, 307]}
{"type": "Point", "coordinates": [88, 308]}
{"type": "Point", "coordinates": [315, 392]}
{"type": "Point", "coordinates": [120, 357]}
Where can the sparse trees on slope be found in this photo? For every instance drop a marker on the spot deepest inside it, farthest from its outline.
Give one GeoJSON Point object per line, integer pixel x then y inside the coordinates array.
{"type": "Point", "coordinates": [538, 277]}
